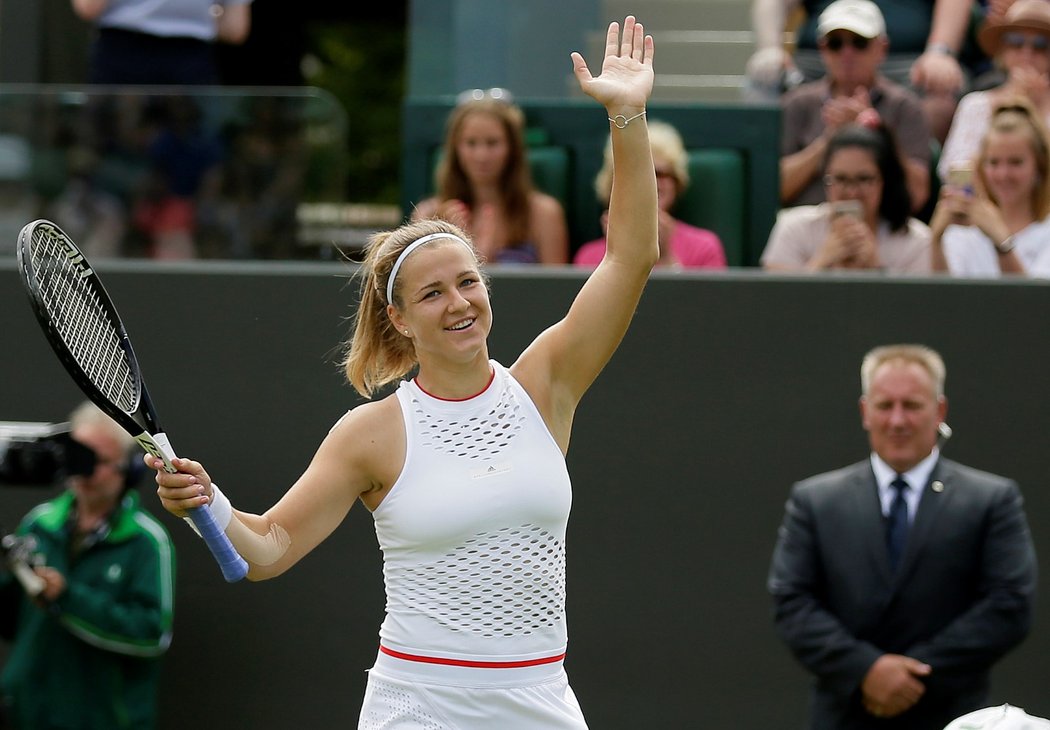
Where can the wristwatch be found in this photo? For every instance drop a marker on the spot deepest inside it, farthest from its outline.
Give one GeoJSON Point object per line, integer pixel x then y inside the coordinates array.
{"type": "Point", "coordinates": [1006, 245]}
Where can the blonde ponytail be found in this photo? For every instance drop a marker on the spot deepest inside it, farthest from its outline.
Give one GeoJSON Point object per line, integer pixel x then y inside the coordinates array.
{"type": "Point", "coordinates": [377, 354]}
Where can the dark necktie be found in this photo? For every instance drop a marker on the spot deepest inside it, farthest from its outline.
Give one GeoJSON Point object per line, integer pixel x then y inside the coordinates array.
{"type": "Point", "coordinates": [897, 523]}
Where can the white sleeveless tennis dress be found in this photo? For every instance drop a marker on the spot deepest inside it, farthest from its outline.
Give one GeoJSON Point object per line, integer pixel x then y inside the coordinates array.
{"type": "Point", "coordinates": [473, 541]}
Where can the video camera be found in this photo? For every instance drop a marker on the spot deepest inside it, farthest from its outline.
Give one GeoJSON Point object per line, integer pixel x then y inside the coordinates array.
{"type": "Point", "coordinates": [41, 454]}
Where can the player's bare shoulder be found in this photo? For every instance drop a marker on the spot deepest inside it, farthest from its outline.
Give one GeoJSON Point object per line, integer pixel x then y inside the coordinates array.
{"type": "Point", "coordinates": [370, 439]}
{"type": "Point", "coordinates": [370, 414]}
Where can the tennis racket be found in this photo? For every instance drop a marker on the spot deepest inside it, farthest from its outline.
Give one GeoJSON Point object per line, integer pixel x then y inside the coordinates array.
{"type": "Point", "coordinates": [85, 331]}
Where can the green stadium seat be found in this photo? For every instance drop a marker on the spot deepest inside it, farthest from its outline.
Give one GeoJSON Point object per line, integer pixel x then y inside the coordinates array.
{"type": "Point", "coordinates": [716, 198]}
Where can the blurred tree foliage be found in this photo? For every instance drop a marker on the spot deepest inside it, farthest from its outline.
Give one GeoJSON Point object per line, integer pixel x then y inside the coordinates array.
{"type": "Point", "coordinates": [362, 63]}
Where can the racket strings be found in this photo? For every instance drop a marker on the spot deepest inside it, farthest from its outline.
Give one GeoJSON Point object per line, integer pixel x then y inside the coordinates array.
{"type": "Point", "coordinates": [81, 318]}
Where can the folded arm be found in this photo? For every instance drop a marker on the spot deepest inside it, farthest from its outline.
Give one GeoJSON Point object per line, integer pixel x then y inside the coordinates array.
{"type": "Point", "coordinates": [1001, 616]}
{"type": "Point", "coordinates": [816, 637]}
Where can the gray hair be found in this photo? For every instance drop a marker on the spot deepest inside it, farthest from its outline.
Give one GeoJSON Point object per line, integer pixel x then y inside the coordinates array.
{"type": "Point", "coordinates": [926, 357]}
{"type": "Point", "coordinates": [88, 414]}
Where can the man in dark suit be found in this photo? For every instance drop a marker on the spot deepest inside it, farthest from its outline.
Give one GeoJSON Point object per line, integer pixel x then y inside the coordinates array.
{"type": "Point", "coordinates": [900, 580]}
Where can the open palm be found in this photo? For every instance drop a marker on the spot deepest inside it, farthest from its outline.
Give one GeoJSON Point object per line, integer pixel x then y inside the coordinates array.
{"type": "Point", "coordinates": [626, 79]}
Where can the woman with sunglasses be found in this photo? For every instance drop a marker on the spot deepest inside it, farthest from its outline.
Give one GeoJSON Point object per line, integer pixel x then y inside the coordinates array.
{"type": "Point", "coordinates": [483, 185]}
{"type": "Point", "coordinates": [1019, 42]}
{"type": "Point", "coordinates": [998, 224]}
{"type": "Point", "coordinates": [681, 245]}
{"type": "Point", "coordinates": [866, 222]}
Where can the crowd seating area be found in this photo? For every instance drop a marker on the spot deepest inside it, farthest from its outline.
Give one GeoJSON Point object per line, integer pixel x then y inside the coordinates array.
{"type": "Point", "coordinates": [732, 163]}
{"type": "Point", "coordinates": [174, 173]}
{"type": "Point", "coordinates": [236, 174]}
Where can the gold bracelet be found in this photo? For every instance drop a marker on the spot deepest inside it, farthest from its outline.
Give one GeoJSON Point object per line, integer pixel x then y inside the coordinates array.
{"type": "Point", "coordinates": [620, 121]}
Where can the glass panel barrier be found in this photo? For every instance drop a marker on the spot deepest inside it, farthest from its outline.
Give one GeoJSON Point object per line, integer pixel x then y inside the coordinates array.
{"type": "Point", "coordinates": [163, 173]}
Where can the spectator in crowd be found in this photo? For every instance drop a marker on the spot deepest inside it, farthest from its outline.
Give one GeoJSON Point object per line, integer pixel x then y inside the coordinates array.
{"type": "Point", "coordinates": [169, 42]}
{"type": "Point", "coordinates": [852, 42]}
{"type": "Point", "coordinates": [184, 178]}
{"type": "Point", "coordinates": [866, 221]}
{"type": "Point", "coordinates": [927, 37]}
{"type": "Point", "coordinates": [1019, 41]}
{"type": "Point", "coordinates": [681, 245]}
{"type": "Point", "coordinates": [263, 177]}
{"type": "Point", "coordinates": [84, 649]}
{"type": "Point", "coordinates": [93, 217]}
{"type": "Point", "coordinates": [484, 186]}
{"type": "Point", "coordinates": [898, 581]}
{"type": "Point", "coordinates": [998, 223]}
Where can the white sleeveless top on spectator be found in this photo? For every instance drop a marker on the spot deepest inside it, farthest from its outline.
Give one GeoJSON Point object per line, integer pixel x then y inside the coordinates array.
{"type": "Point", "coordinates": [971, 253]}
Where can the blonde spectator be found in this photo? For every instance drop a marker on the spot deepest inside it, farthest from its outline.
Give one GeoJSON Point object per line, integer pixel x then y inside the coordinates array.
{"type": "Point", "coordinates": [1019, 41]}
{"type": "Point", "coordinates": [998, 224]}
{"type": "Point", "coordinates": [681, 245]}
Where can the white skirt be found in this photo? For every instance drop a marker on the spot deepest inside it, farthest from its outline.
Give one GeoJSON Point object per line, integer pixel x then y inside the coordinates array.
{"type": "Point", "coordinates": [403, 695]}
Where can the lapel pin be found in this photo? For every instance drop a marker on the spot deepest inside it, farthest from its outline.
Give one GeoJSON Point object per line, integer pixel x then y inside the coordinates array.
{"type": "Point", "coordinates": [937, 487]}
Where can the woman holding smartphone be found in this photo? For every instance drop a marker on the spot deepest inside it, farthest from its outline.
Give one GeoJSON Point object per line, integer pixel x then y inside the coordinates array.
{"type": "Point", "coordinates": [866, 222]}
{"type": "Point", "coordinates": [998, 224]}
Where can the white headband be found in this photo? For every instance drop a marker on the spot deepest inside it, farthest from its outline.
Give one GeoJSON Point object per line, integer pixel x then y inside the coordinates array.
{"type": "Point", "coordinates": [409, 249]}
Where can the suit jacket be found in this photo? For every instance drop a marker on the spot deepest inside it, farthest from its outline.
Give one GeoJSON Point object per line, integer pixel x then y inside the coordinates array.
{"type": "Point", "coordinates": [961, 598]}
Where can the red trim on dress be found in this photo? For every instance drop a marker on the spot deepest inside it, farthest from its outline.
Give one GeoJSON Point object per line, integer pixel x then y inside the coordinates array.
{"type": "Point", "coordinates": [470, 663]}
{"type": "Point", "coordinates": [492, 376]}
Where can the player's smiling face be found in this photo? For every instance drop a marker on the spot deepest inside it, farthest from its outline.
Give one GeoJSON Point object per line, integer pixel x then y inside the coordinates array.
{"type": "Point", "coordinates": [446, 303]}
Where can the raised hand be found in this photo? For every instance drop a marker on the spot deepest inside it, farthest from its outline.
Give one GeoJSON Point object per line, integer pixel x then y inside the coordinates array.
{"type": "Point", "coordinates": [626, 78]}
{"type": "Point", "coordinates": [839, 112]}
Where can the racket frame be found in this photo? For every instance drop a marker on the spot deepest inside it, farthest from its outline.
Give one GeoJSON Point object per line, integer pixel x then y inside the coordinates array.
{"type": "Point", "coordinates": [142, 423]}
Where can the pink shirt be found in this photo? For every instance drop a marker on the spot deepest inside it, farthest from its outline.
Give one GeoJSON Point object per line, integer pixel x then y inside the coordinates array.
{"type": "Point", "coordinates": [695, 248]}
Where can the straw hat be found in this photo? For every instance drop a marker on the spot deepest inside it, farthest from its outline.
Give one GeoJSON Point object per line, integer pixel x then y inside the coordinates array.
{"type": "Point", "coordinates": [1023, 15]}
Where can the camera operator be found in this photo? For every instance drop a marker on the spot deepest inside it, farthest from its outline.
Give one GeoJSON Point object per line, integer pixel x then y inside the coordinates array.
{"type": "Point", "coordinates": [84, 652]}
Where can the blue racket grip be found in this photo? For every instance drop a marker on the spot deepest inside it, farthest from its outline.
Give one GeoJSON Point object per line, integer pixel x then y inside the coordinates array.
{"type": "Point", "coordinates": [233, 566]}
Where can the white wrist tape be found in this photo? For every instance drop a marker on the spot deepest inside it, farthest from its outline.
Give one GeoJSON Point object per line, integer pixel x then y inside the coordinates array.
{"type": "Point", "coordinates": [220, 507]}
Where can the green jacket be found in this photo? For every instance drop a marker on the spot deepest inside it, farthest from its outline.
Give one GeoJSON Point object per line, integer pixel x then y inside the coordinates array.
{"type": "Point", "coordinates": [90, 660]}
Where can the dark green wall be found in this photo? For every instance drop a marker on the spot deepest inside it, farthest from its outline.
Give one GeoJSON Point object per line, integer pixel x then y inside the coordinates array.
{"type": "Point", "coordinates": [727, 389]}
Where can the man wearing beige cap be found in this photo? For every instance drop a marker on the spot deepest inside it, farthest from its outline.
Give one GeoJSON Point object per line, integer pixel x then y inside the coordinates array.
{"type": "Point", "coordinates": [927, 37]}
{"type": "Point", "coordinates": [853, 44]}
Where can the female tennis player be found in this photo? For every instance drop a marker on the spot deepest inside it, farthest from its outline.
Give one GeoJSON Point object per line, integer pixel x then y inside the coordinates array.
{"type": "Point", "coordinates": [463, 465]}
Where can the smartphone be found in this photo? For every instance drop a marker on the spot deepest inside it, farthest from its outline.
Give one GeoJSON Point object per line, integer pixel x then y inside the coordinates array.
{"type": "Point", "coordinates": [852, 208]}
{"type": "Point", "coordinates": [960, 175]}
